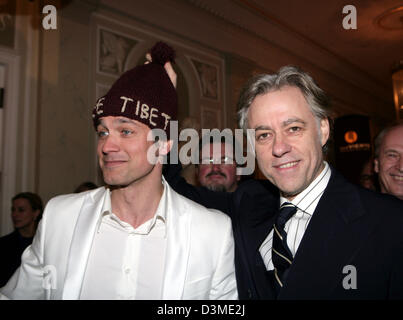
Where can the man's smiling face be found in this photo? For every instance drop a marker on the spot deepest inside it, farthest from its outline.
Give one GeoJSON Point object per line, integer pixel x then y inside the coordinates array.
{"type": "Point", "coordinates": [122, 150]}
{"type": "Point", "coordinates": [389, 164]}
{"type": "Point", "coordinates": [288, 139]}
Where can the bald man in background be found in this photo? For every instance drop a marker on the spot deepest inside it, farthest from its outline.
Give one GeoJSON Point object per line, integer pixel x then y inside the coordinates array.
{"type": "Point", "coordinates": [388, 162]}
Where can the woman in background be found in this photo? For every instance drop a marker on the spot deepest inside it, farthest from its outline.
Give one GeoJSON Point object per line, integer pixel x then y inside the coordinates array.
{"type": "Point", "coordinates": [26, 211]}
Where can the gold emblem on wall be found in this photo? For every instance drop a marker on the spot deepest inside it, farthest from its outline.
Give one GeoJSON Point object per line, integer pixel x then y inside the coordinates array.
{"type": "Point", "coordinates": [350, 136]}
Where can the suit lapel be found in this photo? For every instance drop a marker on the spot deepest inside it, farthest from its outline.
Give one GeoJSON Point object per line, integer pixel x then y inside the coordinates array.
{"type": "Point", "coordinates": [330, 241]}
{"type": "Point", "coordinates": [260, 221]}
{"type": "Point", "coordinates": [81, 243]}
{"type": "Point", "coordinates": [256, 226]}
{"type": "Point", "coordinates": [178, 246]}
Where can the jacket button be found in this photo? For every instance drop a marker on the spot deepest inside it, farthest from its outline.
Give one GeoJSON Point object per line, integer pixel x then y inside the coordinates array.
{"type": "Point", "coordinates": [249, 294]}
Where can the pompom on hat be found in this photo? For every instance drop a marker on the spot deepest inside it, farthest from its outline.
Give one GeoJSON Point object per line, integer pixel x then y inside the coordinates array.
{"type": "Point", "coordinates": [144, 93]}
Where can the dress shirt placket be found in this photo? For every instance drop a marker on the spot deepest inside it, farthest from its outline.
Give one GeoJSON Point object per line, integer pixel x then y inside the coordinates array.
{"type": "Point", "coordinates": [130, 266]}
{"type": "Point", "coordinates": [295, 227]}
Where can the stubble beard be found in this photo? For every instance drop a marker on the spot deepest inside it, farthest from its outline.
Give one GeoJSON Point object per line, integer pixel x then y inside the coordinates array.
{"type": "Point", "coordinates": [216, 187]}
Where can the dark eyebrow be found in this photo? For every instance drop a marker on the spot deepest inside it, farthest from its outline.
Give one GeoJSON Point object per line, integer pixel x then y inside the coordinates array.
{"type": "Point", "coordinates": [100, 123]}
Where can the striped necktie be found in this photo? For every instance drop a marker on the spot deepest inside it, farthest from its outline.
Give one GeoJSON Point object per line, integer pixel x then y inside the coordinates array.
{"type": "Point", "coordinates": [281, 254]}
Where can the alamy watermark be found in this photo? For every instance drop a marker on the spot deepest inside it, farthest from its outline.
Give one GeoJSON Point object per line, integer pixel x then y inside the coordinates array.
{"type": "Point", "coordinates": [350, 280]}
{"type": "Point", "coordinates": [189, 152]}
{"type": "Point", "coordinates": [350, 20]}
{"type": "Point", "coordinates": [49, 21]}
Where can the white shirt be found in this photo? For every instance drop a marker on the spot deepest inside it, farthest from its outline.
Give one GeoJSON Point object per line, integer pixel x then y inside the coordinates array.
{"type": "Point", "coordinates": [126, 263]}
{"type": "Point", "coordinates": [295, 227]}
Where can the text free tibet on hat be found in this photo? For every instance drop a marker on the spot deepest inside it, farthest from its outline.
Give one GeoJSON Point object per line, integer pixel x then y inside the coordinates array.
{"type": "Point", "coordinates": [141, 110]}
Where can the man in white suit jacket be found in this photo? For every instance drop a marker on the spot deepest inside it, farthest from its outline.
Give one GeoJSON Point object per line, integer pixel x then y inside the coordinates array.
{"type": "Point", "coordinates": [199, 251]}
{"type": "Point", "coordinates": [136, 238]}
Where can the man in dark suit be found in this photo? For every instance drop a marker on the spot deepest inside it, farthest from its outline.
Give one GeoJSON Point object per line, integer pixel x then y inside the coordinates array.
{"type": "Point", "coordinates": [323, 238]}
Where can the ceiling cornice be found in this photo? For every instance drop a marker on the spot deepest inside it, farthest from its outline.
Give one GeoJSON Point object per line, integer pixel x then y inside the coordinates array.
{"type": "Point", "coordinates": [229, 17]}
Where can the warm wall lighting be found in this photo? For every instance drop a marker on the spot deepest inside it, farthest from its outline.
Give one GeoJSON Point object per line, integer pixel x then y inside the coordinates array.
{"type": "Point", "coordinates": [397, 79]}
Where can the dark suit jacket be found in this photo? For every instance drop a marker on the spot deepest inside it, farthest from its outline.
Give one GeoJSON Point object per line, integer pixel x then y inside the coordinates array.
{"type": "Point", "coordinates": [351, 227]}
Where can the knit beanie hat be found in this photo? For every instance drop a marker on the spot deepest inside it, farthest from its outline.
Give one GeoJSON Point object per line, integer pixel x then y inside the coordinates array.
{"type": "Point", "coordinates": [144, 93]}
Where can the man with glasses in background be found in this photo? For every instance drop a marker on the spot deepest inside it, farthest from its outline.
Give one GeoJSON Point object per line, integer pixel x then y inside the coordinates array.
{"type": "Point", "coordinates": [217, 169]}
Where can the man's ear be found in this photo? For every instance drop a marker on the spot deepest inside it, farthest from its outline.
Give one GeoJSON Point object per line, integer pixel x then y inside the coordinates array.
{"type": "Point", "coordinates": [324, 130]}
{"type": "Point", "coordinates": [164, 147]}
{"type": "Point", "coordinates": [376, 165]}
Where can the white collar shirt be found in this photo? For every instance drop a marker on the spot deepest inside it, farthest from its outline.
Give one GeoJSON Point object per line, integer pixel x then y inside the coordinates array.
{"type": "Point", "coordinates": [126, 263]}
{"type": "Point", "coordinates": [295, 227]}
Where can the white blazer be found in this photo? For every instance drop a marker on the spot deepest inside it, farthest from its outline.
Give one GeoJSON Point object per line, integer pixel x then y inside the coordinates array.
{"type": "Point", "coordinates": [199, 252]}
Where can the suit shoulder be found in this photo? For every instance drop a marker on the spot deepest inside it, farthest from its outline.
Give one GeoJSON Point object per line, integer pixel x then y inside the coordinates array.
{"type": "Point", "coordinates": [63, 198]}
{"type": "Point", "coordinates": [374, 203]}
{"type": "Point", "coordinates": [384, 204]}
{"type": "Point", "coordinates": [62, 203]}
{"type": "Point", "coordinates": [256, 187]}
